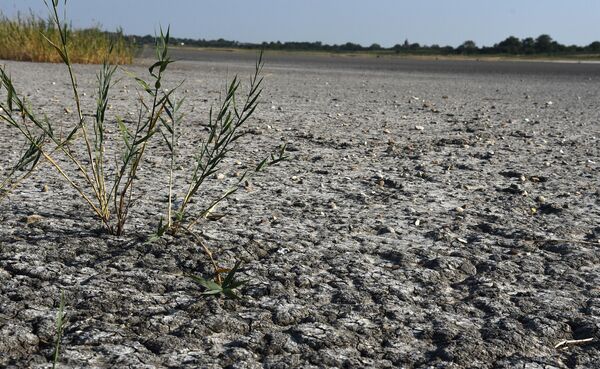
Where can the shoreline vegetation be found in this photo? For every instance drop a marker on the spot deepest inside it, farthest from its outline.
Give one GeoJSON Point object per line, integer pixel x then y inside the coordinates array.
{"type": "Point", "coordinates": [28, 38]}
{"type": "Point", "coordinates": [25, 38]}
{"type": "Point", "coordinates": [541, 48]}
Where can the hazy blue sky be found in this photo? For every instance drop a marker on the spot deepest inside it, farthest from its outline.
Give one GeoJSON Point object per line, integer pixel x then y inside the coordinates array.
{"type": "Point", "coordinates": [387, 22]}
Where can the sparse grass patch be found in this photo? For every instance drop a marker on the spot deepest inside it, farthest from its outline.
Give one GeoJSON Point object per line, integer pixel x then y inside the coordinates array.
{"type": "Point", "coordinates": [24, 38]}
{"type": "Point", "coordinates": [84, 154]}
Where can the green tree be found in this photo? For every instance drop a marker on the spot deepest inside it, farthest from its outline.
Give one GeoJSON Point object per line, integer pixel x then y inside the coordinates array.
{"type": "Point", "coordinates": [594, 47]}
{"type": "Point", "coordinates": [544, 44]}
{"type": "Point", "coordinates": [467, 47]}
{"type": "Point", "coordinates": [511, 45]}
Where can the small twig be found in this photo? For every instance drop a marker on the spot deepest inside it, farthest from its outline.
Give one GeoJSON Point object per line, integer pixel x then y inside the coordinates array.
{"type": "Point", "coordinates": [565, 343]}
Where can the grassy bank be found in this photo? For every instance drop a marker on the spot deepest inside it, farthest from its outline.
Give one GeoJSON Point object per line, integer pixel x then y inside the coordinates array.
{"type": "Point", "coordinates": [24, 38]}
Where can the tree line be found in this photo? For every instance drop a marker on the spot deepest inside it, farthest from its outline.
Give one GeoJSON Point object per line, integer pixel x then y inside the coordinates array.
{"type": "Point", "coordinates": [543, 45]}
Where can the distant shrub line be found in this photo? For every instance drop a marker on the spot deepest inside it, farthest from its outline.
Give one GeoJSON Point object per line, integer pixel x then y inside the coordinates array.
{"type": "Point", "coordinates": [542, 45]}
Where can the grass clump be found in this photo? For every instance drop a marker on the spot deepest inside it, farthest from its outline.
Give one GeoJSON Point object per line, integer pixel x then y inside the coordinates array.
{"type": "Point", "coordinates": [25, 38]}
{"type": "Point", "coordinates": [84, 154]}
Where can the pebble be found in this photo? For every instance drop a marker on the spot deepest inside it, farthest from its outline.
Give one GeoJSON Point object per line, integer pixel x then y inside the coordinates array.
{"type": "Point", "coordinates": [220, 176]}
{"type": "Point", "coordinates": [418, 222]}
{"type": "Point", "coordinates": [459, 210]}
{"type": "Point", "coordinates": [299, 204]}
{"type": "Point", "coordinates": [419, 128]}
{"type": "Point", "coordinates": [386, 230]}
{"type": "Point", "coordinates": [31, 219]}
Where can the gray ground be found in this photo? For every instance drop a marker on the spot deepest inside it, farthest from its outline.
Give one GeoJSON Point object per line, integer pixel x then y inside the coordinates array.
{"type": "Point", "coordinates": [425, 219]}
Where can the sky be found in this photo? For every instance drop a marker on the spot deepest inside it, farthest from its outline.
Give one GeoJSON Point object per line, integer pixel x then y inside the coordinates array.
{"type": "Point", "coordinates": [386, 22]}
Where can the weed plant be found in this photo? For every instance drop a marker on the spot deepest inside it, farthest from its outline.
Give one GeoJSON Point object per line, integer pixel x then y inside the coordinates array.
{"type": "Point", "coordinates": [26, 38]}
{"type": "Point", "coordinates": [80, 154]}
{"type": "Point", "coordinates": [59, 329]}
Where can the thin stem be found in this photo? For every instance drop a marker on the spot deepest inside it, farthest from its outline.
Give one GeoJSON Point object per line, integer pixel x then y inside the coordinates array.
{"type": "Point", "coordinates": [209, 254]}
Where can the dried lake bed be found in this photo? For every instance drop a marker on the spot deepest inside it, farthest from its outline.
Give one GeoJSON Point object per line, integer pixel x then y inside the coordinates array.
{"type": "Point", "coordinates": [432, 214]}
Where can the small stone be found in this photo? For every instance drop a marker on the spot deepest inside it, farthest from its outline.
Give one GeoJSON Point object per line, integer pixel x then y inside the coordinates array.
{"type": "Point", "coordinates": [31, 219]}
{"type": "Point", "coordinates": [332, 205]}
{"type": "Point", "coordinates": [418, 222]}
{"type": "Point", "coordinates": [386, 230]}
{"type": "Point", "coordinates": [45, 188]}
{"type": "Point", "coordinates": [541, 199]}
{"type": "Point", "coordinates": [220, 176]}
{"type": "Point", "coordinates": [459, 210]}
{"type": "Point", "coordinates": [419, 128]}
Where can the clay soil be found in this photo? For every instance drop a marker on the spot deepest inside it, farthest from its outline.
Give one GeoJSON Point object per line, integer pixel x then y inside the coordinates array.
{"type": "Point", "coordinates": [432, 214]}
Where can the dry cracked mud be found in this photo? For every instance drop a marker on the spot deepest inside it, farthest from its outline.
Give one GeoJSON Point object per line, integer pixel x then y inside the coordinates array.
{"type": "Point", "coordinates": [443, 217]}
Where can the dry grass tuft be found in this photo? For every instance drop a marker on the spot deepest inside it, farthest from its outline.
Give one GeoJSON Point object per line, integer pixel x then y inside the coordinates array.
{"type": "Point", "coordinates": [24, 39]}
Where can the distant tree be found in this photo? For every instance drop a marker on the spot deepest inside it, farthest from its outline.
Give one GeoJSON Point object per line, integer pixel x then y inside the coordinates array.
{"type": "Point", "coordinates": [349, 46]}
{"type": "Point", "coordinates": [511, 45]}
{"type": "Point", "coordinates": [543, 44]}
{"type": "Point", "coordinates": [467, 47]}
{"type": "Point", "coordinates": [415, 46]}
{"type": "Point", "coordinates": [594, 47]}
{"type": "Point", "coordinates": [375, 47]}
{"type": "Point", "coordinates": [448, 49]}
{"type": "Point", "coordinates": [528, 45]}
